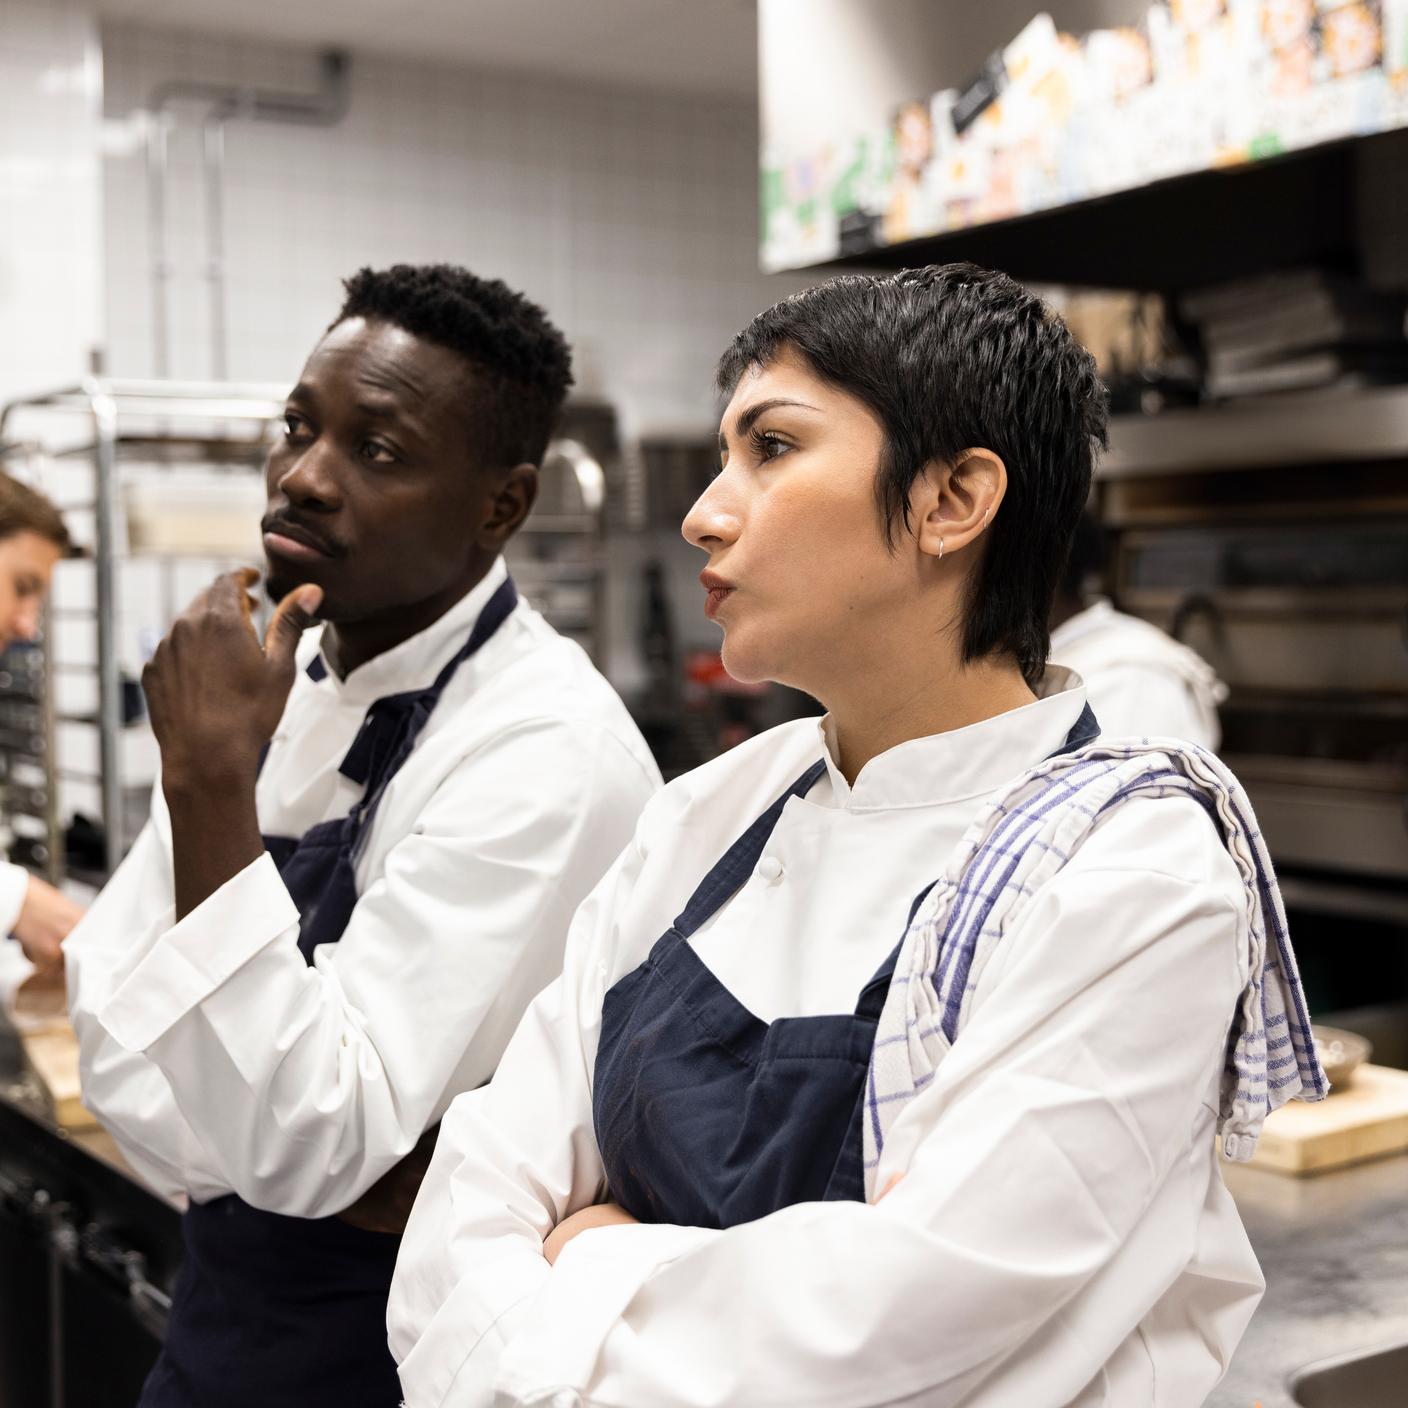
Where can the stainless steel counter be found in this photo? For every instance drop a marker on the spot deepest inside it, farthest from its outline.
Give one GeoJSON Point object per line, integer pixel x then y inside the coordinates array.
{"type": "Point", "coordinates": [1335, 1253]}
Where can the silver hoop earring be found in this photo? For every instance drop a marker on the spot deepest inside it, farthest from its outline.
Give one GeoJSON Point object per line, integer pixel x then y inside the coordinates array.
{"type": "Point", "coordinates": [986, 511]}
{"type": "Point", "coordinates": [941, 549]}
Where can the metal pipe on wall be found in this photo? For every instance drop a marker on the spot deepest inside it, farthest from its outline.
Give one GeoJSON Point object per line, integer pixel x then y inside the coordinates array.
{"type": "Point", "coordinates": [156, 227]}
{"type": "Point", "coordinates": [213, 176]}
{"type": "Point", "coordinates": [109, 678]}
{"type": "Point", "coordinates": [224, 102]}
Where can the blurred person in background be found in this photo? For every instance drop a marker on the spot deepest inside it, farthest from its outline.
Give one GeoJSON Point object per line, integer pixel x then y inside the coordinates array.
{"type": "Point", "coordinates": [1141, 682]}
{"type": "Point", "coordinates": [365, 848]}
{"type": "Point", "coordinates": [32, 539]}
{"type": "Point", "coordinates": [887, 1061]}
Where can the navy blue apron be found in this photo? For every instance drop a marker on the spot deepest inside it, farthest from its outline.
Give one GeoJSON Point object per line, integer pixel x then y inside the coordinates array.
{"type": "Point", "coordinates": [271, 1310]}
{"type": "Point", "coordinates": [705, 1115]}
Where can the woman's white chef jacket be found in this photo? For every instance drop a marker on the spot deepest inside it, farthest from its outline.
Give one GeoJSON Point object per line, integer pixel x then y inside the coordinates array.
{"type": "Point", "coordinates": [1063, 1234]}
{"type": "Point", "coordinates": [221, 1062]}
{"type": "Point", "coordinates": [1141, 682]}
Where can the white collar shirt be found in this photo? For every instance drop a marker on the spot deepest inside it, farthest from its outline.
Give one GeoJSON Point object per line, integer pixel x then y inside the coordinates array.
{"type": "Point", "coordinates": [1142, 683]}
{"type": "Point", "coordinates": [222, 1062]}
{"type": "Point", "coordinates": [1062, 1234]}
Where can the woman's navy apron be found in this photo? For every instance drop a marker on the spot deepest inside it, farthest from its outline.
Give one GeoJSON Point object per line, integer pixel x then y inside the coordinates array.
{"type": "Point", "coordinates": [271, 1310]}
{"type": "Point", "coordinates": [707, 1116]}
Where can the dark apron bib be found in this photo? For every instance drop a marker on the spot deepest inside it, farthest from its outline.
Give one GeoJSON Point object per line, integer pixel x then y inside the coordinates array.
{"type": "Point", "coordinates": [271, 1310]}
{"type": "Point", "coordinates": [705, 1115]}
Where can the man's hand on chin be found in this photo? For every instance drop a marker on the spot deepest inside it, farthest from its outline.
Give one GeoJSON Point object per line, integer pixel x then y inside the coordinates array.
{"type": "Point", "coordinates": [214, 694]}
{"type": "Point", "coordinates": [215, 697]}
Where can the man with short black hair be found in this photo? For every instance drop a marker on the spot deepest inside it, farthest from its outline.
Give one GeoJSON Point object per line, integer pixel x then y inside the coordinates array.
{"type": "Point", "coordinates": [365, 848]}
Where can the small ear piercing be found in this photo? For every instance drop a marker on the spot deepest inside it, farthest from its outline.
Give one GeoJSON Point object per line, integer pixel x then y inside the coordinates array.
{"type": "Point", "coordinates": [986, 511]}
{"type": "Point", "coordinates": [941, 549]}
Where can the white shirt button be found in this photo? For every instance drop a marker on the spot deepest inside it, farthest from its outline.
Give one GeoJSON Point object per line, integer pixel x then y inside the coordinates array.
{"type": "Point", "coordinates": [770, 868]}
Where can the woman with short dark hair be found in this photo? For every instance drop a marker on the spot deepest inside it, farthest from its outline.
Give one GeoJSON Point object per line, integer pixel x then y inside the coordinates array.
{"type": "Point", "coordinates": [887, 1061]}
{"type": "Point", "coordinates": [32, 539]}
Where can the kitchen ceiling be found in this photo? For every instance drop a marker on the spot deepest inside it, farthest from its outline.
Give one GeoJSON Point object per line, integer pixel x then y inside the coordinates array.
{"type": "Point", "coordinates": [697, 46]}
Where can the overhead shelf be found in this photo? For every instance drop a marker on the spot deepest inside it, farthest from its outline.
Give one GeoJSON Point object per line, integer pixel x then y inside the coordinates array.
{"type": "Point", "coordinates": [1274, 431]}
{"type": "Point", "coordinates": [1181, 232]}
{"type": "Point", "coordinates": [1185, 146]}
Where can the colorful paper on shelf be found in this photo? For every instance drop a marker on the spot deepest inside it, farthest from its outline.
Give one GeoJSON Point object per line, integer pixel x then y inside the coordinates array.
{"type": "Point", "coordinates": [1052, 119]}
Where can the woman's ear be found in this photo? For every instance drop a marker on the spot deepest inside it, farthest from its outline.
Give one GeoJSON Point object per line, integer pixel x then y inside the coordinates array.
{"type": "Point", "coordinates": [953, 505]}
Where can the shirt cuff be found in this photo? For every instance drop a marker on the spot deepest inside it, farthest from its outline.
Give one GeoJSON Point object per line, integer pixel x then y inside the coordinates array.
{"type": "Point", "coordinates": [14, 887]}
{"type": "Point", "coordinates": [592, 1283]}
{"type": "Point", "coordinates": [198, 955]}
{"type": "Point", "coordinates": [454, 1361]}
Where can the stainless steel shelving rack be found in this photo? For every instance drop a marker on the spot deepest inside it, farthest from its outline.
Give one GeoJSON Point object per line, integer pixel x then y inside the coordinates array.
{"type": "Point", "coordinates": [559, 557]}
{"type": "Point", "coordinates": [107, 421]}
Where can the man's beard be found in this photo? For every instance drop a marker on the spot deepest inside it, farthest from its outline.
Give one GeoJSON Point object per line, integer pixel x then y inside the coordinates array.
{"type": "Point", "coordinates": [278, 584]}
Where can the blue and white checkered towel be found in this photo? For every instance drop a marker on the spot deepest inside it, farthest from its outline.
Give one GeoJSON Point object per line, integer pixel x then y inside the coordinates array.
{"type": "Point", "coordinates": [1018, 844]}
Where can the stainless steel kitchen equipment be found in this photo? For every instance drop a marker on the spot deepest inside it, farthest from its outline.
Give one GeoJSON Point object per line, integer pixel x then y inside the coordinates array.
{"type": "Point", "coordinates": [558, 557]}
{"type": "Point", "coordinates": [1354, 1380]}
{"type": "Point", "coordinates": [1272, 537]}
{"type": "Point", "coordinates": [88, 1257]}
{"type": "Point", "coordinates": [30, 806]}
{"type": "Point", "coordinates": [109, 426]}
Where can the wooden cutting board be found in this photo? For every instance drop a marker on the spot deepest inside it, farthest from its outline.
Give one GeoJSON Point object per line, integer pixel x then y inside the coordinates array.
{"type": "Point", "coordinates": [1366, 1120]}
{"type": "Point", "coordinates": [52, 1054]}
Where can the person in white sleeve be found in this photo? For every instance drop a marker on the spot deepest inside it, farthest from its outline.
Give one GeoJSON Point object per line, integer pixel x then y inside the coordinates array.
{"type": "Point", "coordinates": [365, 849]}
{"type": "Point", "coordinates": [886, 1062]}
{"type": "Point", "coordinates": [37, 916]}
{"type": "Point", "coordinates": [1140, 682]}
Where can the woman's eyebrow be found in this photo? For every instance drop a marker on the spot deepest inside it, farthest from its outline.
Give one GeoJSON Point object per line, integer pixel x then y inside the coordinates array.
{"type": "Point", "coordinates": [746, 420]}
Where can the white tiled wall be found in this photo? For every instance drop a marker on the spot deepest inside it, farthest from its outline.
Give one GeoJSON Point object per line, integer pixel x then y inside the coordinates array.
{"type": "Point", "coordinates": [50, 225]}
{"type": "Point", "coordinates": [630, 215]}
{"type": "Point", "coordinates": [50, 191]}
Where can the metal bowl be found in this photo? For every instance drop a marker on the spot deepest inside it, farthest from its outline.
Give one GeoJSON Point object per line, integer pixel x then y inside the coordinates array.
{"type": "Point", "coordinates": [1341, 1053]}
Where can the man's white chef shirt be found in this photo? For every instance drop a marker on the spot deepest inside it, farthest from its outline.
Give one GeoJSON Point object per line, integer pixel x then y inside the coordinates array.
{"type": "Point", "coordinates": [1062, 1235]}
{"type": "Point", "coordinates": [222, 1062]}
